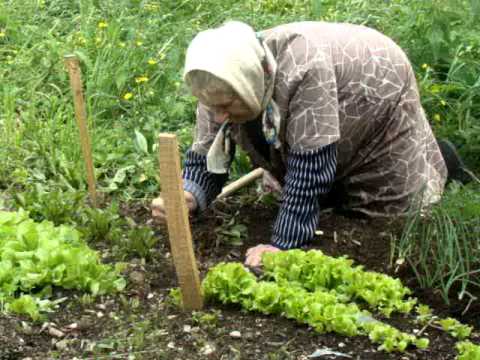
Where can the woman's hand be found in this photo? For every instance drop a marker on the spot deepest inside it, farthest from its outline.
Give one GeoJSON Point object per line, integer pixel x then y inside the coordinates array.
{"type": "Point", "coordinates": [270, 184]}
{"type": "Point", "coordinates": [254, 254]}
{"type": "Point", "coordinates": [158, 206]}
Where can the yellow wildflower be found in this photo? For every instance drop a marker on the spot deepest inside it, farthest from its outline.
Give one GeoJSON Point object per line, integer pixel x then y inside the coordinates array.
{"type": "Point", "coordinates": [139, 43]}
{"type": "Point", "coordinates": [102, 24]}
{"type": "Point", "coordinates": [141, 79]}
{"type": "Point", "coordinates": [2, 34]}
{"type": "Point", "coordinates": [127, 96]}
{"type": "Point", "coordinates": [121, 44]}
{"type": "Point", "coordinates": [425, 66]}
{"type": "Point", "coordinates": [443, 102]}
{"type": "Point", "coordinates": [437, 117]}
{"type": "Point", "coordinates": [152, 61]}
{"type": "Point", "coordinates": [152, 7]}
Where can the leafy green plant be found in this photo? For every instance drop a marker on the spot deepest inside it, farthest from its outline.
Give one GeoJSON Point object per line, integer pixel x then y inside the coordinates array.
{"type": "Point", "coordinates": [442, 245]}
{"type": "Point", "coordinates": [424, 314]}
{"type": "Point", "coordinates": [231, 231]}
{"type": "Point", "coordinates": [125, 237]}
{"type": "Point", "coordinates": [175, 297]}
{"type": "Point", "coordinates": [208, 320]}
{"type": "Point", "coordinates": [468, 351]}
{"type": "Point", "coordinates": [34, 257]}
{"type": "Point", "coordinates": [101, 224]}
{"type": "Point", "coordinates": [57, 206]}
{"type": "Point", "coordinates": [314, 270]}
{"type": "Point", "coordinates": [455, 328]}
{"type": "Point", "coordinates": [140, 241]}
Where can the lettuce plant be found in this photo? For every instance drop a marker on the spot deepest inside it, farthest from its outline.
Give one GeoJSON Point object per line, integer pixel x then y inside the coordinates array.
{"type": "Point", "coordinates": [468, 351]}
{"type": "Point", "coordinates": [315, 270]}
{"type": "Point", "coordinates": [34, 257]}
{"type": "Point", "coordinates": [455, 328]}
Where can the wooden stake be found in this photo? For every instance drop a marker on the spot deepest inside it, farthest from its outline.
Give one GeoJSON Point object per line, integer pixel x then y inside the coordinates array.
{"type": "Point", "coordinates": [73, 67]}
{"type": "Point", "coordinates": [178, 224]}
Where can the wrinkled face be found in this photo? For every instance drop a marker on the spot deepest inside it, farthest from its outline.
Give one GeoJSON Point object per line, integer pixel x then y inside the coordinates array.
{"type": "Point", "coordinates": [226, 107]}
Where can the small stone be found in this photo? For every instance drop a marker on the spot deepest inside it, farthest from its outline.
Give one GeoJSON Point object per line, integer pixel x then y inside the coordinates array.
{"type": "Point", "coordinates": [150, 296]}
{"type": "Point", "coordinates": [208, 349]}
{"type": "Point", "coordinates": [137, 277]}
{"type": "Point", "coordinates": [236, 334]}
{"type": "Point", "coordinates": [318, 232]}
{"type": "Point", "coordinates": [55, 332]}
{"type": "Point", "coordinates": [171, 345]}
{"type": "Point", "coordinates": [170, 317]}
{"type": "Point", "coordinates": [85, 322]}
{"type": "Point", "coordinates": [26, 328]}
{"type": "Point", "coordinates": [249, 335]}
{"type": "Point", "coordinates": [187, 329]}
{"type": "Point", "coordinates": [62, 344]}
{"type": "Point", "coordinates": [99, 314]}
{"type": "Point", "coordinates": [341, 345]}
{"type": "Point", "coordinates": [72, 326]}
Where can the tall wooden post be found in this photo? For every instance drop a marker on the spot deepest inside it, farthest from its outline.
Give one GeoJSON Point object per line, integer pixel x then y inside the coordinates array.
{"type": "Point", "coordinates": [178, 223]}
{"type": "Point", "coordinates": [73, 67]}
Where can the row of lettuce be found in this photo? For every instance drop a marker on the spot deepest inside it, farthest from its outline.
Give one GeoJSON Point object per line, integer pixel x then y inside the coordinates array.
{"type": "Point", "coordinates": [331, 295]}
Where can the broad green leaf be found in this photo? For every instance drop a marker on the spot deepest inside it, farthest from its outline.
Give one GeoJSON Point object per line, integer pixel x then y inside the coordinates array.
{"type": "Point", "coordinates": [141, 142]}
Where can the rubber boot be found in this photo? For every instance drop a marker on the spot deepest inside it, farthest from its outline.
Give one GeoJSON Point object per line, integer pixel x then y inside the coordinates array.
{"type": "Point", "coordinates": [457, 170]}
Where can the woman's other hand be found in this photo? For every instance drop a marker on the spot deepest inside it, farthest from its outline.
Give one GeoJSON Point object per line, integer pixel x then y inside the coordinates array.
{"type": "Point", "coordinates": [158, 206]}
{"type": "Point", "coordinates": [254, 254]}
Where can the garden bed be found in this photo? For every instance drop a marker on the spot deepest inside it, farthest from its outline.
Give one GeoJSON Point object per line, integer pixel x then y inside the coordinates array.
{"type": "Point", "coordinates": [143, 323]}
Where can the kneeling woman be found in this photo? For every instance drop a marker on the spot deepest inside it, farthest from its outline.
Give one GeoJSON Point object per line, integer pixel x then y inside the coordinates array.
{"type": "Point", "coordinates": [327, 109]}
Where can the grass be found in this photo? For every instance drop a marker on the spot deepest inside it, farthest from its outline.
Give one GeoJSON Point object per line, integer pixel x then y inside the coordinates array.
{"type": "Point", "coordinates": [132, 58]}
{"type": "Point", "coordinates": [443, 246]}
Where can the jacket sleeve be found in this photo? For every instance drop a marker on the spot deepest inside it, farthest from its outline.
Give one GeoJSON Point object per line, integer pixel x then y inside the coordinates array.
{"type": "Point", "coordinates": [204, 185]}
{"type": "Point", "coordinates": [309, 174]}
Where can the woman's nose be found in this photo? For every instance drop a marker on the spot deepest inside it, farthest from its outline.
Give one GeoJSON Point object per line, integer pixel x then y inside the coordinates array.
{"type": "Point", "coordinates": [221, 117]}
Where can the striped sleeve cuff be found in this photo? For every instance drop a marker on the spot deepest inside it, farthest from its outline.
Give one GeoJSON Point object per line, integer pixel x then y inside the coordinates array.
{"type": "Point", "coordinates": [204, 186]}
{"type": "Point", "coordinates": [308, 176]}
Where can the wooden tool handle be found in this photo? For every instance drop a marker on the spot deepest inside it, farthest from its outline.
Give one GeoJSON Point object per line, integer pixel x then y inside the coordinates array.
{"type": "Point", "coordinates": [238, 184]}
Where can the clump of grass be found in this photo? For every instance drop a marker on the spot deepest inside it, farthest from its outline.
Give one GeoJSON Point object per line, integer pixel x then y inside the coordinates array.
{"type": "Point", "coordinates": [443, 246]}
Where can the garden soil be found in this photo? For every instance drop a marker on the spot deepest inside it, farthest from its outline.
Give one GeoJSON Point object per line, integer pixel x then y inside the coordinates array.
{"type": "Point", "coordinates": [142, 323]}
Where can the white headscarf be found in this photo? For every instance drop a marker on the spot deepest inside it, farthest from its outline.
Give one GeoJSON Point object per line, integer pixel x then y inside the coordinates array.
{"type": "Point", "coordinates": [235, 54]}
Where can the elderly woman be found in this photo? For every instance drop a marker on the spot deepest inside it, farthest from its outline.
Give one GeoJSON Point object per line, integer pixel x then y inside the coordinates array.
{"type": "Point", "coordinates": [332, 111]}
